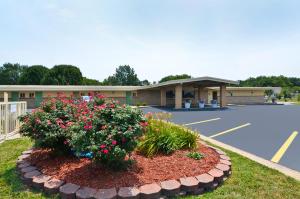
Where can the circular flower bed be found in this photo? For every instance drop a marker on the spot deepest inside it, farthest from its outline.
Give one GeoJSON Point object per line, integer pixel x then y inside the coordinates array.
{"type": "Point", "coordinates": [101, 149]}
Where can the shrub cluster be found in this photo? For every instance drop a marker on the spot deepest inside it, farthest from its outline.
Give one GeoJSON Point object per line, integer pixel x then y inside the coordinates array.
{"type": "Point", "coordinates": [100, 129]}
{"type": "Point", "coordinates": [165, 137]}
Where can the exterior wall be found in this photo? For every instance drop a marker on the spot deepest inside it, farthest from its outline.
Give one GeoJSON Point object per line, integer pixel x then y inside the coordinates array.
{"type": "Point", "coordinates": [149, 97]}
{"type": "Point", "coordinates": [246, 100]}
{"type": "Point", "coordinates": [244, 96]}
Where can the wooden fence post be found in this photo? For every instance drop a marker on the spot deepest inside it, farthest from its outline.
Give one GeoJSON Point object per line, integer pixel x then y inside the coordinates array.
{"type": "Point", "coordinates": [6, 112]}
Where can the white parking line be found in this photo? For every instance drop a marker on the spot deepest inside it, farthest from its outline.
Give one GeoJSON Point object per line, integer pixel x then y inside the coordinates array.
{"type": "Point", "coordinates": [203, 121]}
{"type": "Point", "coordinates": [230, 130]}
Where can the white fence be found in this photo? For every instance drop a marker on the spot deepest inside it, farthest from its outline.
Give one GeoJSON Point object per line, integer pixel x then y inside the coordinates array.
{"type": "Point", "coordinates": [9, 113]}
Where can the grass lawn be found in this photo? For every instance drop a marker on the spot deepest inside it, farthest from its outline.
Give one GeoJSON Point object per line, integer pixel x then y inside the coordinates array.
{"type": "Point", "coordinates": [248, 180]}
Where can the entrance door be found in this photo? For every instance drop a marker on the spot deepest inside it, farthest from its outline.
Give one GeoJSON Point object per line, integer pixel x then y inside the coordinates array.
{"type": "Point", "coordinates": [38, 98]}
{"type": "Point", "coordinates": [215, 95]}
{"type": "Point", "coordinates": [128, 97]}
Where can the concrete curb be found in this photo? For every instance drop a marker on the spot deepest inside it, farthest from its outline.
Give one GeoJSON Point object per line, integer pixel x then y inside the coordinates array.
{"type": "Point", "coordinates": [285, 170]}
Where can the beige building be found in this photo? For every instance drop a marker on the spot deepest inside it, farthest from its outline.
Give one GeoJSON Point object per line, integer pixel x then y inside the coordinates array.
{"type": "Point", "coordinates": [171, 94]}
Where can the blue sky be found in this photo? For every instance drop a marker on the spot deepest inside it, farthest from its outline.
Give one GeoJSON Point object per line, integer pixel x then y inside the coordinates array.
{"type": "Point", "coordinates": [230, 39]}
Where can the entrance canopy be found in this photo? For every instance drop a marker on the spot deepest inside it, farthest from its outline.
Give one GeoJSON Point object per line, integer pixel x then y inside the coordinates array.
{"type": "Point", "coordinates": [197, 86]}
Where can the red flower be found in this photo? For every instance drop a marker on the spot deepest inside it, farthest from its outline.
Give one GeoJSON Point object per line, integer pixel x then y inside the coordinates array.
{"type": "Point", "coordinates": [87, 127]}
{"type": "Point", "coordinates": [114, 142]}
{"type": "Point", "coordinates": [105, 151]}
{"type": "Point", "coordinates": [66, 142]}
{"type": "Point", "coordinates": [62, 126]}
{"type": "Point", "coordinates": [38, 121]}
{"type": "Point", "coordinates": [112, 106]}
{"type": "Point", "coordinates": [144, 124]}
{"type": "Point", "coordinates": [103, 127]}
{"type": "Point", "coordinates": [102, 146]}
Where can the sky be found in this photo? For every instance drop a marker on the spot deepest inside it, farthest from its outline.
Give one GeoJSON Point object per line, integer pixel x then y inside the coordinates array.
{"type": "Point", "coordinates": [229, 39]}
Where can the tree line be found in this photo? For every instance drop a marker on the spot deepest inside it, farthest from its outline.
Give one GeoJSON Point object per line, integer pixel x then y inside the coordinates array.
{"type": "Point", "coordinates": [17, 74]}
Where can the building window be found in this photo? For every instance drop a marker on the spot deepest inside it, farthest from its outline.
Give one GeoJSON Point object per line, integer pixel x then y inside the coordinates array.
{"type": "Point", "coordinates": [134, 94]}
{"type": "Point", "coordinates": [170, 94]}
{"type": "Point", "coordinates": [22, 95]}
{"type": "Point", "coordinates": [31, 95]}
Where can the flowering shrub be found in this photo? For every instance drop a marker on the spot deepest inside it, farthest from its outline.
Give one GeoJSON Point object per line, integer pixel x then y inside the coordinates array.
{"type": "Point", "coordinates": [49, 123]}
{"type": "Point", "coordinates": [100, 129]}
{"type": "Point", "coordinates": [109, 131]}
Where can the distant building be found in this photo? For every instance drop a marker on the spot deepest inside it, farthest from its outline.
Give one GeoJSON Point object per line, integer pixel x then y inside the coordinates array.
{"type": "Point", "coordinates": [172, 93]}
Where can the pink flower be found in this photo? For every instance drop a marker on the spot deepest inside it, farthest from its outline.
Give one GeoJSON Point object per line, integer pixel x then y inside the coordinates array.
{"type": "Point", "coordinates": [62, 126]}
{"type": "Point", "coordinates": [69, 123]}
{"type": "Point", "coordinates": [105, 151]}
{"type": "Point", "coordinates": [114, 142]}
{"type": "Point", "coordinates": [123, 140]}
{"type": "Point", "coordinates": [103, 127]}
{"type": "Point", "coordinates": [144, 124]}
{"type": "Point", "coordinates": [87, 127]}
{"type": "Point", "coordinates": [49, 122]}
{"type": "Point", "coordinates": [66, 142]}
{"type": "Point", "coordinates": [38, 121]}
{"type": "Point", "coordinates": [102, 146]}
{"type": "Point", "coordinates": [112, 106]}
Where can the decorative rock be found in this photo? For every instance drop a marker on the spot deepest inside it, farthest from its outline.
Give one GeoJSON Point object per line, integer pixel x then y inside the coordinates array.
{"type": "Point", "coordinates": [22, 157]}
{"type": "Point", "coordinates": [38, 181]}
{"type": "Point", "coordinates": [189, 184]}
{"type": "Point", "coordinates": [68, 191]}
{"type": "Point", "coordinates": [182, 193]}
{"type": "Point", "coordinates": [129, 193]}
{"type": "Point", "coordinates": [225, 157]}
{"type": "Point", "coordinates": [214, 186]}
{"type": "Point", "coordinates": [29, 176]}
{"type": "Point", "coordinates": [220, 152]}
{"type": "Point", "coordinates": [23, 165]}
{"type": "Point", "coordinates": [223, 167]}
{"type": "Point", "coordinates": [52, 186]}
{"type": "Point", "coordinates": [27, 152]}
{"type": "Point", "coordinates": [198, 191]}
{"type": "Point", "coordinates": [217, 174]}
{"type": "Point", "coordinates": [170, 187]}
{"type": "Point", "coordinates": [150, 191]}
{"type": "Point", "coordinates": [85, 193]}
{"type": "Point", "coordinates": [205, 180]}
{"type": "Point", "coordinates": [106, 194]}
{"type": "Point", "coordinates": [28, 169]}
{"type": "Point", "coordinates": [225, 162]}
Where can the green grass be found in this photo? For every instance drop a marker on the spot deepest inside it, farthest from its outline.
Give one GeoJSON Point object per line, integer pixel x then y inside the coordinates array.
{"type": "Point", "coordinates": [10, 185]}
{"type": "Point", "coordinates": [249, 179]}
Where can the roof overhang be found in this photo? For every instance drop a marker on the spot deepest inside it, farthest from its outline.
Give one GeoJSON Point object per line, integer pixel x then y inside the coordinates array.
{"type": "Point", "coordinates": [199, 81]}
{"type": "Point", "coordinates": [66, 88]}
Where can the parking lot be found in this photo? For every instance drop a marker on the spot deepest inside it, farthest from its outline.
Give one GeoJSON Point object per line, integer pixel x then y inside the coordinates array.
{"type": "Point", "coordinates": [268, 131]}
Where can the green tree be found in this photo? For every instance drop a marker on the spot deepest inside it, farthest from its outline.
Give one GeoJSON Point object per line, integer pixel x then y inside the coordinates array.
{"type": "Point", "coordinates": [125, 75]}
{"type": "Point", "coordinates": [10, 73]}
{"type": "Point", "coordinates": [33, 75]}
{"type": "Point", "coordinates": [174, 77]}
{"type": "Point", "coordinates": [63, 75]}
{"type": "Point", "coordinates": [92, 82]}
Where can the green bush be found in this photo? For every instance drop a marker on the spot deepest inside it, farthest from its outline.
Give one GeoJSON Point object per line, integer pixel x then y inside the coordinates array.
{"type": "Point", "coordinates": [108, 131]}
{"type": "Point", "coordinates": [298, 98]}
{"type": "Point", "coordinates": [48, 125]}
{"type": "Point", "coordinates": [195, 155]}
{"type": "Point", "coordinates": [100, 129]}
{"type": "Point", "coordinates": [165, 137]}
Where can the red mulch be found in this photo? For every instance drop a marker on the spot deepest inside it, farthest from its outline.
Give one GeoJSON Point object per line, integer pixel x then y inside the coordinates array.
{"type": "Point", "coordinates": [146, 170]}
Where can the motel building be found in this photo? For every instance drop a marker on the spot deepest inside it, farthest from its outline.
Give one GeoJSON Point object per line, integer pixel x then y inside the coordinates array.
{"type": "Point", "coordinates": [211, 92]}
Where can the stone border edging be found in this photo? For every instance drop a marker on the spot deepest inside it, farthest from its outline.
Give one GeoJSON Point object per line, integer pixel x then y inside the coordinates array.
{"type": "Point", "coordinates": [285, 170]}
{"type": "Point", "coordinates": [194, 185]}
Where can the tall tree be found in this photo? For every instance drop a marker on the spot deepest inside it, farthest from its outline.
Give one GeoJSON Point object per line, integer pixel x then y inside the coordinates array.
{"type": "Point", "coordinates": [33, 75]}
{"type": "Point", "coordinates": [10, 73]}
{"type": "Point", "coordinates": [63, 75]}
{"type": "Point", "coordinates": [91, 82]}
{"type": "Point", "coordinates": [174, 77]}
{"type": "Point", "coordinates": [125, 75]}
